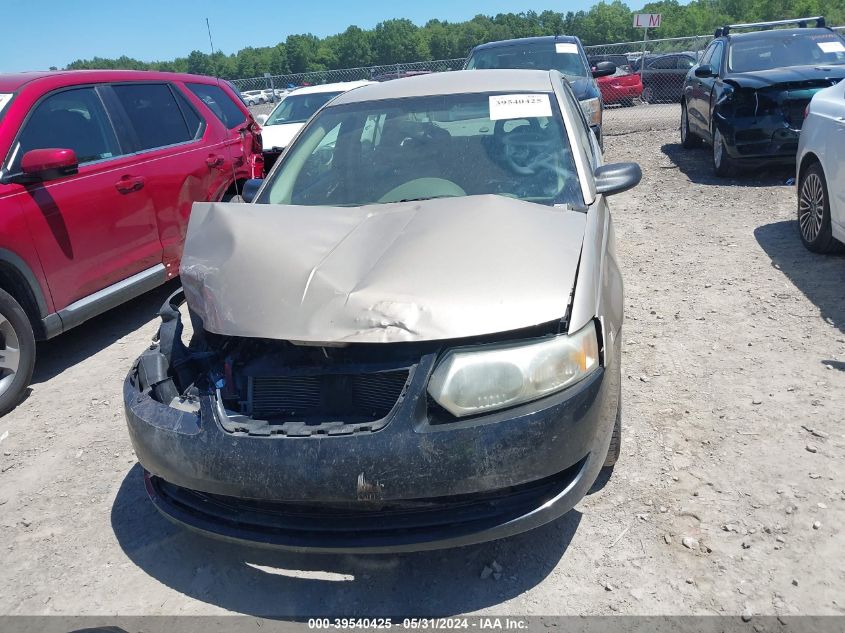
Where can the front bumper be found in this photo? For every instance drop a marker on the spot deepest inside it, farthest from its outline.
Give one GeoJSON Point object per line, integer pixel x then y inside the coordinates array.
{"type": "Point", "coordinates": [768, 140]}
{"type": "Point", "coordinates": [409, 486]}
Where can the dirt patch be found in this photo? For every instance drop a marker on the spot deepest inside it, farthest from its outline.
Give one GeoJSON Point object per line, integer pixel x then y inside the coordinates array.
{"type": "Point", "coordinates": [734, 387]}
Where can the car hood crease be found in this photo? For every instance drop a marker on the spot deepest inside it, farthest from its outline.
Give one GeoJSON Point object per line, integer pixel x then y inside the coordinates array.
{"type": "Point", "coordinates": [407, 271]}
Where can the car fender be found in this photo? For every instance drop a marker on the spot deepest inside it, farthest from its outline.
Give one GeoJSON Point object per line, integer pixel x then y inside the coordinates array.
{"type": "Point", "coordinates": [598, 289]}
{"type": "Point", "coordinates": [811, 145]}
{"type": "Point", "coordinates": [25, 287]}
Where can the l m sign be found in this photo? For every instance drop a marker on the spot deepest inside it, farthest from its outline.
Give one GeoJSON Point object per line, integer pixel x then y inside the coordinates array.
{"type": "Point", "coordinates": [647, 20]}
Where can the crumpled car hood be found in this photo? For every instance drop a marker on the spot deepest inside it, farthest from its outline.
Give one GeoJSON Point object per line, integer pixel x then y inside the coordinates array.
{"type": "Point", "coordinates": [407, 271]}
{"type": "Point", "coordinates": [793, 76]}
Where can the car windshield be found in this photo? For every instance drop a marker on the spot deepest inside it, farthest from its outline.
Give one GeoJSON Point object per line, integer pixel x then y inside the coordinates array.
{"type": "Point", "coordinates": [564, 57]}
{"type": "Point", "coordinates": [780, 50]}
{"type": "Point", "coordinates": [420, 148]}
{"type": "Point", "coordinates": [299, 108]}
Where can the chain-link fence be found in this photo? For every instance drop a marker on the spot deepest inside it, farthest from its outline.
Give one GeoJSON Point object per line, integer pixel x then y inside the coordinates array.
{"type": "Point", "coordinates": [645, 92]}
{"type": "Point", "coordinates": [643, 95]}
{"type": "Point", "coordinates": [373, 73]}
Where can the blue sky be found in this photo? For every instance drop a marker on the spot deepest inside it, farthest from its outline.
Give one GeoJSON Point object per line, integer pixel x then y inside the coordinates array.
{"type": "Point", "coordinates": [56, 32]}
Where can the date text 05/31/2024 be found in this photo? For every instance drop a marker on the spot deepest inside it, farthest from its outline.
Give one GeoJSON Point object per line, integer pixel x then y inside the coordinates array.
{"type": "Point", "coordinates": [430, 624]}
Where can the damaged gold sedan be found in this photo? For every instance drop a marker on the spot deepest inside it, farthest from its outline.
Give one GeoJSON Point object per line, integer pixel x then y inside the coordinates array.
{"type": "Point", "coordinates": [410, 339]}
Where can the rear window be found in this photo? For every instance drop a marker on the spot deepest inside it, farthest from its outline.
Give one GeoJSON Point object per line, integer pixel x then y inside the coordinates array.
{"type": "Point", "coordinates": [220, 103]}
{"type": "Point", "coordinates": [564, 57]}
{"type": "Point", "coordinates": [154, 114]}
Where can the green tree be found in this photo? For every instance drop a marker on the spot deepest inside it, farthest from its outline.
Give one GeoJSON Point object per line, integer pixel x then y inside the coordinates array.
{"type": "Point", "coordinates": [354, 48]}
{"type": "Point", "coordinates": [302, 52]}
{"type": "Point", "coordinates": [397, 41]}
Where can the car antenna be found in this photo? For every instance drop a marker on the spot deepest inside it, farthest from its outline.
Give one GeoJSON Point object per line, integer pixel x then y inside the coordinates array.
{"type": "Point", "coordinates": [217, 77]}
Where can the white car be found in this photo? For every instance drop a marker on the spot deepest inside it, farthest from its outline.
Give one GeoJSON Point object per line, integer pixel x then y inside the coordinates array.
{"type": "Point", "coordinates": [821, 172]}
{"type": "Point", "coordinates": [271, 96]}
{"type": "Point", "coordinates": [293, 113]}
{"type": "Point", "coordinates": [254, 97]}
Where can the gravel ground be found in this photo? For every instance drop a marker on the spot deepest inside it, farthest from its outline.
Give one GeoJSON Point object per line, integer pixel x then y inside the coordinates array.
{"type": "Point", "coordinates": [728, 497]}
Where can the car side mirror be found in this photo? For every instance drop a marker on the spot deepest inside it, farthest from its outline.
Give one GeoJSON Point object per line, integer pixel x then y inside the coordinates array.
{"type": "Point", "coordinates": [250, 188]}
{"type": "Point", "coordinates": [49, 164]}
{"type": "Point", "coordinates": [261, 119]}
{"type": "Point", "coordinates": [704, 71]}
{"type": "Point", "coordinates": [617, 177]}
{"type": "Point", "coordinates": [604, 69]}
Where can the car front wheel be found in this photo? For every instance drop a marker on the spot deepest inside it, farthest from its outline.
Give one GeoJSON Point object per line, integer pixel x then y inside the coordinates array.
{"type": "Point", "coordinates": [722, 163]}
{"type": "Point", "coordinates": [814, 212]}
{"type": "Point", "coordinates": [17, 352]}
{"type": "Point", "coordinates": [615, 448]}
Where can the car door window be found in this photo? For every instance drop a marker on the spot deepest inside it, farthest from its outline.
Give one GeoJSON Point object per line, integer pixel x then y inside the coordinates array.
{"type": "Point", "coordinates": [662, 63]}
{"type": "Point", "coordinates": [155, 115]}
{"type": "Point", "coordinates": [71, 119]}
{"type": "Point", "coordinates": [716, 58]}
{"type": "Point", "coordinates": [685, 63]}
{"type": "Point", "coordinates": [220, 104]}
{"type": "Point", "coordinates": [708, 54]}
{"type": "Point", "coordinates": [196, 125]}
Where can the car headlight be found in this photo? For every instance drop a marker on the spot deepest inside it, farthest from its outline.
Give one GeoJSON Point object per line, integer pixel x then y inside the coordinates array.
{"type": "Point", "coordinates": [469, 381]}
{"type": "Point", "coordinates": [592, 110]}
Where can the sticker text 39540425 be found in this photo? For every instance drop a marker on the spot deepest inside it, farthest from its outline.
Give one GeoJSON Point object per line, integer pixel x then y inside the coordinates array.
{"type": "Point", "coordinates": [517, 106]}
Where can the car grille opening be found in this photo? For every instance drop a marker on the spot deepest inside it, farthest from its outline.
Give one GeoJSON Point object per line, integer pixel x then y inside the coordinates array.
{"type": "Point", "coordinates": [314, 400]}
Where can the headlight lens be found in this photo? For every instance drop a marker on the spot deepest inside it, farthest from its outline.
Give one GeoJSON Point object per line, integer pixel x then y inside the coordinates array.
{"type": "Point", "coordinates": [592, 110]}
{"type": "Point", "coordinates": [471, 381]}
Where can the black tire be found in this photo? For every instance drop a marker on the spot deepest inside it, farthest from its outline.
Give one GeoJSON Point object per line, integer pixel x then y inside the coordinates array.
{"type": "Point", "coordinates": [723, 165]}
{"type": "Point", "coordinates": [688, 139]}
{"type": "Point", "coordinates": [814, 212]}
{"type": "Point", "coordinates": [615, 448]}
{"type": "Point", "coordinates": [15, 371]}
{"type": "Point", "coordinates": [647, 95]}
{"type": "Point", "coordinates": [232, 197]}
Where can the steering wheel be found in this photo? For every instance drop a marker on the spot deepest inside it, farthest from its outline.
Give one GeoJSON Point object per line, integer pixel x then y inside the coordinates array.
{"type": "Point", "coordinates": [524, 151]}
{"type": "Point", "coordinates": [422, 188]}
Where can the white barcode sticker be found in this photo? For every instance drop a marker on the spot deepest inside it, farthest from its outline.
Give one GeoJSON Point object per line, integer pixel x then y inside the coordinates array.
{"type": "Point", "coordinates": [566, 47]}
{"type": "Point", "coordinates": [519, 106]}
{"type": "Point", "coordinates": [831, 47]}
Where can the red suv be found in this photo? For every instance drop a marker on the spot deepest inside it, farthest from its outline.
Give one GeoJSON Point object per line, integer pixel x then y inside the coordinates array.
{"type": "Point", "coordinates": [99, 170]}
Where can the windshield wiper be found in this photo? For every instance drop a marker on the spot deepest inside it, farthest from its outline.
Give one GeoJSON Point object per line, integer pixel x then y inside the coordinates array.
{"type": "Point", "coordinates": [422, 199]}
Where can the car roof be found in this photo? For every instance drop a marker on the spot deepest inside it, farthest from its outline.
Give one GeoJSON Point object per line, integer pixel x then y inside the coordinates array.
{"type": "Point", "coordinates": [777, 33]}
{"type": "Point", "coordinates": [543, 39]}
{"type": "Point", "coordinates": [454, 82]}
{"type": "Point", "coordinates": [11, 82]}
{"type": "Point", "coordinates": [335, 87]}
